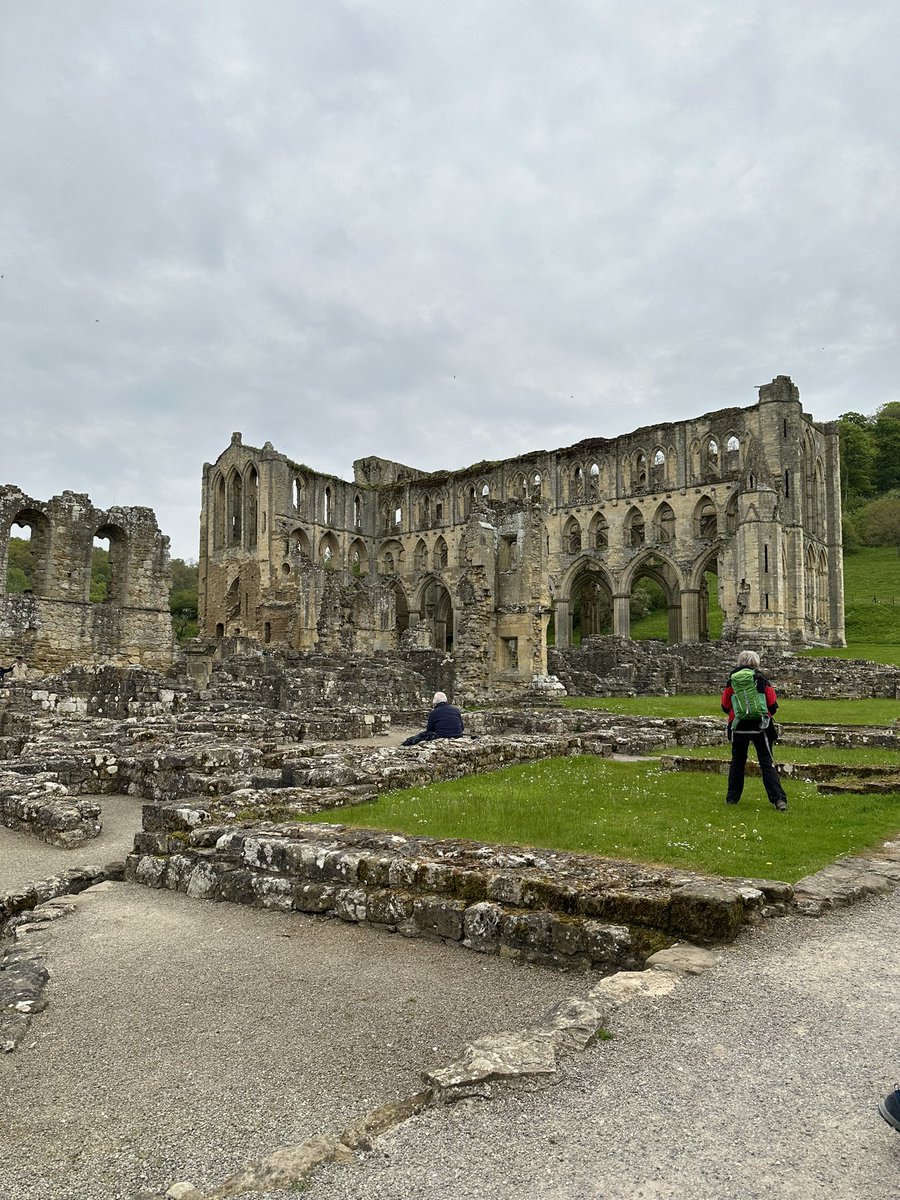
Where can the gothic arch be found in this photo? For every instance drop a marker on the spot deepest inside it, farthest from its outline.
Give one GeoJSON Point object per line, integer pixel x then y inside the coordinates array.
{"type": "Point", "coordinates": [706, 519]}
{"type": "Point", "coordinates": [118, 585]}
{"type": "Point", "coordinates": [434, 604]}
{"type": "Point", "coordinates": [39, 525]}
{"type": "Point", "coordinates": [664, 524]}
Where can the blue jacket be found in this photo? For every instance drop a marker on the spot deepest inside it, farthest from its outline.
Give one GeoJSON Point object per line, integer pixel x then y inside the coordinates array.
{"type": "Point", "coordinates": [445, 721]}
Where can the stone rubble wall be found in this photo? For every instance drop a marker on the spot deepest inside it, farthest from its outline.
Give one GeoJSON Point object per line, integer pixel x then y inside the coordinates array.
{"type": "Point", "coordinates": [609, 666]}
{"type": "Point", "coordinates": [41, 805]}
{"type": "Point", "coordinates": [541, 906]}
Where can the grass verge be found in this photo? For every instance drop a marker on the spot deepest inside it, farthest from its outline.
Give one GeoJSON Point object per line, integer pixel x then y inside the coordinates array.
{"type": "Point", "coordinates": [639, 812]}
{"type": "Point", "coordinates": [803, 712]}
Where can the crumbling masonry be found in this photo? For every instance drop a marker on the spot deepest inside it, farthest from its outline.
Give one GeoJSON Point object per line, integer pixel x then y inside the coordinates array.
{"type": "Point", "coordinates": [478, 560]}
{"type": "Point", "coordinates": [55, 624]}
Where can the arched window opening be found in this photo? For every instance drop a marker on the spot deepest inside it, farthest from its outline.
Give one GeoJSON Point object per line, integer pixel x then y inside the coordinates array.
{"type": "Point", "coordinates": [640, 469]}
{"type": "Point", "coordinates": [600, 532]}
{"type": "Point", "coordinates": [299, 544]}
{"type": "Point", "coordinates": [705, 519]}
{"type": "Point", "coordinates": [398, 517]}
{"type": "Point", "coordinates": [425, 518]}
{"type": "Point", "coordinates": [327, 508]}
{"type": "Point", "coordinates": [595, 479]}
{"type": "Point", "coordinates": [251, 507]}
{"type": "Point", "coordinates": [648, 610]}
{"type": "Point", "coordinates": [109, 566]}
{"type": "Point", "coordinates": [437, 615]}
{"type": "Point", "coordinates": [712, 456]}
{"type": "Point", "coordinates": [576, 485]}
{"type": "Point", "coordinates": [439, 513]}
{"type": "Point", "coordinates": [27, 567]}
{"type": "Point", "coordinates": [220, 510]}
{"type": "Point", "coordinates": [420, 558]}
{"type": "Point", "coordinates": [664, 524]}
{"type": "Point", "coordinates": [298, 495]}
{"type": "Point", "coordinates": [359, 558]}
{"type": "Point", "coordinates": [485, 491]}
{"type": "Point", "coordinates": [441, 555]}
{"type": "Point", "coordinates": [658, 468]}
{"type": "Point", "coordinates": [235, 509]}
{"type": "Point", "coordinates": [572, 536]}
{"type": "Point", "coordinates": [634, 528]}
{"type": "Point", "coordinates": [787, 485]}
{"type": "Point", "coordinates": [357, 512]}
{"type": "Point", "coordinates": [328, 552]}
{"type": "Point", "coordinates": [536, 485]}
{"type": "Point", "coordinates": [732, 446]}
{"type": "Point", "coordinates": [220, 630]}
{"type": "Point", "coordinates": [267, 632]}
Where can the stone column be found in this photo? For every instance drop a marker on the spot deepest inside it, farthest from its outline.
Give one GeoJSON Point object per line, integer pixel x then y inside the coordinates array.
{"type": "Point", "coordinates": [563, 623]}
{"type": "Point", "coordinates": [690, 615]}
{"type": "Point", "coordinates": [622, 614]}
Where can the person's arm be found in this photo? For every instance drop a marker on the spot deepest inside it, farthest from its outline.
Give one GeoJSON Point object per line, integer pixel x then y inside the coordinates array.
{"type": "Point", "coordinates": [431, 724]}
{"type": "Point", "coordinates": [726, 700]}
{"type": "Point", "coordinates": [771, 700]}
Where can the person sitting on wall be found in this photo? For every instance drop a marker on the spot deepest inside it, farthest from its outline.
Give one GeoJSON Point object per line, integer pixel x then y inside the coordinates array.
{"type": "Point", "coordinates": [19, 670]}
{"type": "Point", "coordinates": [444, 721]}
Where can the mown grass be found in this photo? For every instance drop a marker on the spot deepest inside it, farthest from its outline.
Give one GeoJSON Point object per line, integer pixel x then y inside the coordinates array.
{"type": "Point", "coordinates": [844, 756]}
{"type": "Point", "coordinates": [638, 811]}
{"type": "Point", "coordinates": [803, 712]}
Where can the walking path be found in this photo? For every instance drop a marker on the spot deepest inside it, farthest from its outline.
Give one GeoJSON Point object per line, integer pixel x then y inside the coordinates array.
{"type": "Point", "coordinates": [755, 1081]}
{"type": "Point", "coordinates": [185, 1040]}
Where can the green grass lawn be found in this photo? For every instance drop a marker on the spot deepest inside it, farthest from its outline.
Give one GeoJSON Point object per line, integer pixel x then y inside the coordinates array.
{"type": "Point", "coordinates": [845, 756]}
{"type": "Point", "coordinates": [640, 812]}
{"type": "Point", "coordinates": [803, 712]}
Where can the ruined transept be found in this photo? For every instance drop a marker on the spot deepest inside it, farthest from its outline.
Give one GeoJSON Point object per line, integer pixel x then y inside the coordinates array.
{"type": "Point", "coordinates": [491, 562]}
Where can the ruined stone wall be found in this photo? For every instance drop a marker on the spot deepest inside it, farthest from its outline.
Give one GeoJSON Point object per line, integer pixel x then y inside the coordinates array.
{"type": "Point", "coordinates": [55, 624]}
{"type": "Point", "coordinates": [474, 562]}
{"type": "Point", "coordinates": [608, 666]}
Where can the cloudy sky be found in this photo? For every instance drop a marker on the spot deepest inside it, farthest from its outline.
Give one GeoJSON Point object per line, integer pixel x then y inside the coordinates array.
{"type": "Point", "coordinates": [436, 232]}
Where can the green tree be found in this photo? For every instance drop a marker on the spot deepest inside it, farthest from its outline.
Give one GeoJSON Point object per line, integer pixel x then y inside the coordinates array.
{"type": "Point", "coordinates": [879, 522]}
{"type": "Point", "coordinates": [887, 443]}
{"type": "Point", "coordinates": [858, 452]}
{"type": "Point", "coordinates": [183, 598]}
{"type": "Point", "coordinates": [100, 575]}
{"type": "Point", "coordinates": [20, 566]}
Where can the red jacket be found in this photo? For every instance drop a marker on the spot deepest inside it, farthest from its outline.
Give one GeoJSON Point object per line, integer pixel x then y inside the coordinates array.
{"type": "Point", "coordinates": [762, 685]}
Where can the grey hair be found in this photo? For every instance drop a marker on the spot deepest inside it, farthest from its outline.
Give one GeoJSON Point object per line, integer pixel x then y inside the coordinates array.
{"type": "Point", "coordinates": [748, 658]}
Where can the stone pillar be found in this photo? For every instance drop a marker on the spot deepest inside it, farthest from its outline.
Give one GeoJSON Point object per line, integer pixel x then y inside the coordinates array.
{"type": "Point", "coordinates": [563, 623]}
{"type": "Point", "coordinates": [690, 615]}
{"type": "Point", "coordinates": [622, 615]}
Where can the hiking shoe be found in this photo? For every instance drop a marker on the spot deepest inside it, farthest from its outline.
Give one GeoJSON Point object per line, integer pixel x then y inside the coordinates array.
{"type": "Point", "coordinates": [728, 800]}
{"type": "Point", "coordinates": [781, 805]}
{"type": "Point", "coordinates": [889, 1108]}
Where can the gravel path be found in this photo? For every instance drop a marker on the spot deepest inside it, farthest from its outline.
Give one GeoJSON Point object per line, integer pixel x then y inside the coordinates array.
{"type": "Point", "coordinates": [24, 858]}
{"type": "Point", "coordinates": [756, 1081]}
{"type": "Point", "coordinates": [185, 1038]}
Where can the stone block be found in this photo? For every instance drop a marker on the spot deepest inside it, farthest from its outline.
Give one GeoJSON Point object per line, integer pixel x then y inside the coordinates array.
{"type": "Point", "coordinates": [439, 916]}
{"type": "Point", "coordinates": [481, 927]}
{"type": "Point", "coordinates": [314, 897]}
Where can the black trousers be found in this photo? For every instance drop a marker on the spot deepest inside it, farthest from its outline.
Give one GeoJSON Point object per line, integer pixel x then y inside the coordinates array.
{"type": "Point", "coordinates": [740, 745]}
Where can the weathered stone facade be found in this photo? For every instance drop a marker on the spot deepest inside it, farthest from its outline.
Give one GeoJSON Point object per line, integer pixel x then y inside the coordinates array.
{"type": "Point", "coordinates": [55, 624]}
{"type": "Point", "coordinates": [476, 561]}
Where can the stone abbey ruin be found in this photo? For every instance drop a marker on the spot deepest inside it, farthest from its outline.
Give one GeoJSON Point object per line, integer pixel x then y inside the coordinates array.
{"type": "Point", "coordinates": [330, 613]}
{"type": "Point", "coordinates": [480, 561]}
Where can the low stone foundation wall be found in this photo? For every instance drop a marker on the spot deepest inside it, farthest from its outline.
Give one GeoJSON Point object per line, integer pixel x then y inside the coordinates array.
{"type": "Point", "coordinates": [574, 911]}
{"type": "Point", "coordinates": [610, 666]}
{"type": "Point", "coordinates": [815, 772]}
{"type": "Point", "coordinates": [40, 805]}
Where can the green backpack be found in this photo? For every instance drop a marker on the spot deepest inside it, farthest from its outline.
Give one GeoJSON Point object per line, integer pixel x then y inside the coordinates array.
{"type": "Point", "coordinates": [750, 708]}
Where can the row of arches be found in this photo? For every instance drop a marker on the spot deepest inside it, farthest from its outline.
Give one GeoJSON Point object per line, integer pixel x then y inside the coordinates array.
{"type": "Point", "coordinates": [94, 568]}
